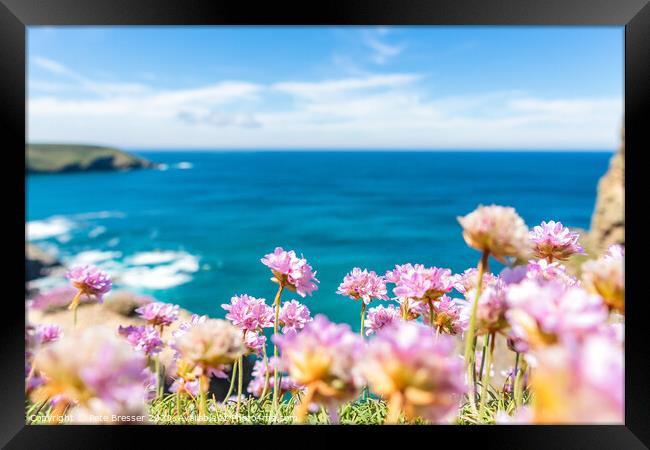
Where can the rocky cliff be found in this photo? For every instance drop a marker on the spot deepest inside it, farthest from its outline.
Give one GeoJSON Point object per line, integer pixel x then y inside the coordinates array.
{"type": "Point", "coordinates": [56, 158]}
{"type": "Point", "coordinates": [608, 220]}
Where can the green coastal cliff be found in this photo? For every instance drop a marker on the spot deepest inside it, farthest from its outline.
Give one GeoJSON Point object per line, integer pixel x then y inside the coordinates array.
{"type": "Point", "coordinates": [57, 158]}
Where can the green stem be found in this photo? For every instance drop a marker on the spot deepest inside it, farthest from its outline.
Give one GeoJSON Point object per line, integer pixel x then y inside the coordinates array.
{"type": "Point", "coordinates": [240, 383]}
{"type": "Point", "coordinates": [431, 315]}
{"type": "Point", "coordinates": [515, 378]}
{"type": "Point", "coordinates": [519, 383]}
{"type": "Point", "coordinates": [470, 345]}
{"type": "Point", "coordinates": [489, 344]}
{"type": "Point", "coordinates": [276, 384]}
{"type": "Point", "coordinates": [266, 373]}
{"type": "Point", "coordinates": [232, 381]}
{"type": "Point", "coordinates": [483, 352]}
{"type": "Point", "coordinates": [157, 373]}
{"type": "Point", "coordinates": [363, 316]}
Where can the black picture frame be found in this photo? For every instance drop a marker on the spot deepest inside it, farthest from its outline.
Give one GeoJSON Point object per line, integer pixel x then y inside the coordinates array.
{"type": "Point", "coordinates": [634, 15]}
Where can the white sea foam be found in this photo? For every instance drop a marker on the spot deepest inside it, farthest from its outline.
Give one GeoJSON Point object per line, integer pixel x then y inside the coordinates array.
{"type": "Point", "coordinates": [154, 257]}
{"type": "Point", "coordinates": [48, 228]}
{"type": "Point", "coordinates": [169, 269]}
{"type": "Point", "coordinates": [162, 167]}
{"type": "Point", "coordinates": [97, 231]}
{"type": "Point", "coordinates": [92, 257]}
{"type": "Point", "coordinates": [98, 215]}
{"type": "Point", "coordinates": [184, 165]}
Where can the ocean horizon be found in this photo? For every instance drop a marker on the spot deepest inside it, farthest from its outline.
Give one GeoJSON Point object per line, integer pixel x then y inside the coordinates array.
{"type": "Point", "coordinates": [192, 232]}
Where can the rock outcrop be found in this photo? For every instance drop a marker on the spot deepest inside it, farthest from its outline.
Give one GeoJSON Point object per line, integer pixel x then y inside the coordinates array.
{"type": "Point", "coordinates": [608, 220]}
{"type": "Point", "coordinates": [61, 158]}
{"type": "Point", "coordinates": [38, 263]}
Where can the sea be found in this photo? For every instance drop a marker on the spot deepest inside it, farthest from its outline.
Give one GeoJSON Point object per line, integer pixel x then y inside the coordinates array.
{"type": "Point", "coordinates": [193, 231]}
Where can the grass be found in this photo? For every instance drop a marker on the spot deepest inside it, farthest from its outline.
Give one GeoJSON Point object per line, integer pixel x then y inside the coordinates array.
{"type": "Point", "coordinates": [254, 411]}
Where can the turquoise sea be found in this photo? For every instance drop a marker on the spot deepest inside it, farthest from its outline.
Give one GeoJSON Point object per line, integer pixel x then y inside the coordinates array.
{"type": "Point", "coordinates": [194, 233]}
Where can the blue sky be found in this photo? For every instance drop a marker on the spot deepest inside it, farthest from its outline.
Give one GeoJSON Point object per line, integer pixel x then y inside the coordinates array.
{"type": "Point", "coordinates": [327, 87]}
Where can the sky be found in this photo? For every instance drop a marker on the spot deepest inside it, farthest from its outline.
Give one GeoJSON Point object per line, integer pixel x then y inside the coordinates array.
{"type": "Point", "coordinates": [429, 88]}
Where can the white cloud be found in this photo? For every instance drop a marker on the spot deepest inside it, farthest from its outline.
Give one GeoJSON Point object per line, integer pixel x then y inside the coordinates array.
{"type": "Point", "coordinates": [390, 110]}
{"type": "Point", "coordinates": [382, 51]}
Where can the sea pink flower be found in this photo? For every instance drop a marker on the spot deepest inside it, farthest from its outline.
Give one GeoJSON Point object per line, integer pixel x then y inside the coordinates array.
{"type": "Point", "coordinates": [211, 344]}
{"type": "Point", "coordinates": [579, 382]}
{"type": "Point", "coordinates": [606, 277]}
{"type": "Point", "coordinates": [420, 283]}
{"type": "Point", "coordinates": [496, 229]}
{"type": "Point", "coordinates": [491, 309]}
{"type": "Point", "coordinates": [416, 373]}
{"type": "Point", "coordinates": [448, 315]}
{"type": "Point", "coordinates": [322, 357]}
{"type": "Point", "coordinates": [255, 342]}
{"type": "Point", "coordinates": [293, 316]}
{"type": "Point", "coordinates": [249, 313]}
{"type": "Point", "coordinates": [144, 338]}
{"type": "Point", "coordinates": [379, 317]}
{"type": "Point", "coordinates": [364, 285]}
{"type": "Point", "coordinates": [468, 281]}
{"type": "Point", "coordinates": [93, 367]}
{"type": "Point", "coordinates": [158, 313]}
{"type": "Point", "coordinates": [48, 333]}
{"type": "Point", "coordinates": [543, 314]}
{"type": "Point", "coordinates": [90, 281]}
{"type": "Point", "coordinates": [541, 270]}
{"type": "Point", "coordinates": [551, 240]}
{"type": "Point", "coordinates": [256, 385]}
{"type": "Point", "coordinates": [190, 387]}
{"type": "Point", "coordinates": [290, 271]}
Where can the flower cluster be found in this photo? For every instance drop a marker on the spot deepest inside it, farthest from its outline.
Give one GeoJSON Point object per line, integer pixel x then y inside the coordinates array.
{"type": "Point", "coordinates": [498, 230]}
{"type": "Point", "coordinates": [419, 282]}
{"type": "Point", "coordinates": [468, 281]}
{"type": "Point", "coordinates": [491, 309]}
{"type": "Point", "coordinates": [211, 344]}
{"type": "Point", "coordinates": [363, 285]}
{"type": "Point", "coordinates": [93, 370]}
{"type": "Point", "coordinates": [264, 372]}
{"type": "Point", "coordinates": [90, 281]}
{"type": "Point", "coordinates": [144, 338]}
{"type": "Point", "coordinates": [293, 316]}
{"type": "Point", "coordinates": [417, 373]}
{"type": "Point", "coordinates": [159, 313]}
{"type": "Point", "coordinates": [551, 240]}
{"type": "Point", "coordinates": [379, 317]}
{"type": "Point", "coordinates": [582, 382]}
{"type": "Point", "coordinates": [543, 314]}
{"type": "Point", "coordinates": [606, 277]}
{"type": "Point", "coordinates": [291, 272]}
{"type": "Point", "coordinates": [322, 357]}
{"type": "Point", "coordinates": [448, 315]}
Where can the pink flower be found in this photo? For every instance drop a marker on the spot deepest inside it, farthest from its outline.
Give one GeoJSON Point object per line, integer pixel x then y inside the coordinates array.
{"type": "Point", "coordinates": [468, 281]}
{"type": "Point", "coordinates": [256, 385]}
{"type": "Point", "coordinates": [190, 387]}
{"type": "Point", "coordinates": [144, 338]}
{"type": "Point", "coordinates": [551, 240]}
{"type": "Point", "coordinates": [416, 373]}
{"type": "Point", "coordinates": [48, 333]}
{"type": "Point", "coordinates": [448, 315]}
{"type": "Point", "coordinates": [542, 314]}
{"type": "Point", "coordinates": [364, 285]}
{"type": "Point", "coordinates": [579, 382]}
{"type": "Point", "coordinates": [290, 271]}
{"type": "Point", "coordinates": [89, 280]}
{"type": "Point", "coordinates": [158, 313]}
{"type": "Point", "coordinates": [293, 316]}
{"type": "Point", "coordinates": [255, 342]}
{"type": "Point", "coordinates": [379, 317]}
{"type": "Point", "coordinates": [606, 277]}
{"type": "Point", "coordinates": [420, 283]}
{"type": "Point", "coordinates": [323, 355]}
{"type": "Point", "coordinates": [496, 229]}
{"type": "Point", "coordinates": [491, 309]}
{"type": "Point", "coordinates": [541, 270]}
{"type": "Point", "coordinates": [249, 313]}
